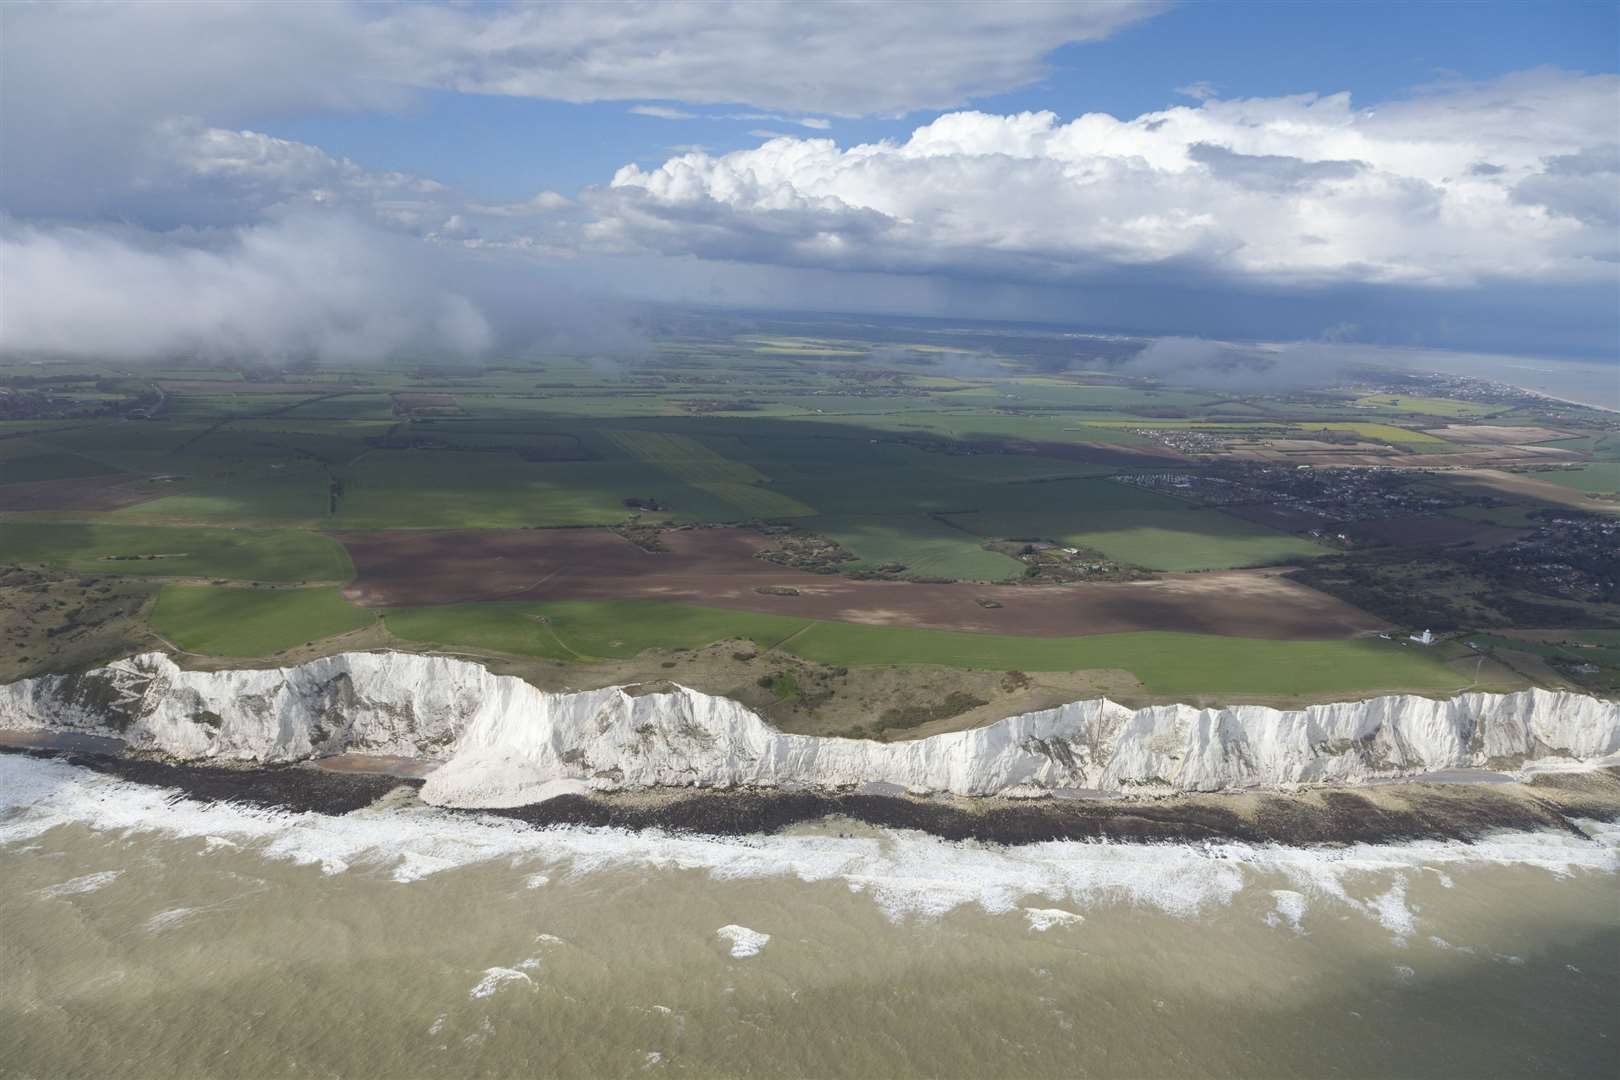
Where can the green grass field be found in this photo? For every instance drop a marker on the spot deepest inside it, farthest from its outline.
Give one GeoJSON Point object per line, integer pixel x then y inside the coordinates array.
{"type": "Point", "coordinates": [225, 621]}
{"type": "Point", "coordinates": [290, 490]}
{"type": "Point", "coordinates": [1165, 663]}
{"type": "Point", "coordinates": [280, 555]}
{"type": "Point", "coordinates": [700, 466]}
{"type": "Point", "coordinates": [1180, 539]}
{"type": "Point", "coordinates": [585, 629]}
{"type": "Point", "coordinates": [25, 461]}
{"type": "Point", "coordinates": [1598, 478]}
{"type": "Point", "coordinates": [883, 437]}
{"type": "Point", "coordinates": [1427, 406]}
{"type": "Point", "coordinates": [452, 489]}
{"type": "Point", "coordinates": [925, 546]}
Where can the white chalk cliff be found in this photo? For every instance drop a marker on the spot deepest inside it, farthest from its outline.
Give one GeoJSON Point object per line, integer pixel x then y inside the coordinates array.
{"type": "Point", "coordinates": [501, 742]}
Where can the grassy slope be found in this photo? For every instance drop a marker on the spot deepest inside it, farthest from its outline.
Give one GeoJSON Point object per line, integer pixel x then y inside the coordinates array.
{"type": "Point", "coordinates": [245, 554]}
{"type": "Point", "coordinates": [1165, 663]}
{"type": "Point", "coordinates": [223, 621]}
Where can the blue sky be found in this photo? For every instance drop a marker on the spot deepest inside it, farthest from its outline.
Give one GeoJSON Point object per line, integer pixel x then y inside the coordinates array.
{"type": "Point", "coordinates": [348, 179]}
{"type": "Point", "coordinates": [505, 148]}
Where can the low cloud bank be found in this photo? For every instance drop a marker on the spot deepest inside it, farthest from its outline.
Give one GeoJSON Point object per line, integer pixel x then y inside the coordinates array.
{"type": "Point", "coordinates": [306, 286]}
{"type": "Point", "coordinates": [1225, 366]}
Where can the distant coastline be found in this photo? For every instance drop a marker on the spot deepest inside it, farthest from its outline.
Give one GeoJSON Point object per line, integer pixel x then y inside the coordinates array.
{"type": "Point", "coordinates": [1585, 383]}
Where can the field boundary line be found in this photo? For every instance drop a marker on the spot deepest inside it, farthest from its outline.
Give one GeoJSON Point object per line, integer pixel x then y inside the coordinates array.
{"type": "Point", "coordinates": [535, 584]}
{"type": "Point", "coordinates": [565, 647]}
{"type": "Point", "coordinates": [800, 632]}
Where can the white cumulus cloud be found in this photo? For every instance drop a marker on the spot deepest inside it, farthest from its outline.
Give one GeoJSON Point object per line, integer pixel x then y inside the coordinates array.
{"type": "Point", "coordinates": [1304, 189]}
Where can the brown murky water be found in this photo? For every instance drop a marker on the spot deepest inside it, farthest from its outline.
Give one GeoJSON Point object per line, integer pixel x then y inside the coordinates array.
{"type": "Point", "coordinates": [147, 938]}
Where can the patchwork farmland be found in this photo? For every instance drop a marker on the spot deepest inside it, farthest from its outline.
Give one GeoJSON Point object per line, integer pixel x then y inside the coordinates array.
{"type": "Point", "coordinates": [847, 497]}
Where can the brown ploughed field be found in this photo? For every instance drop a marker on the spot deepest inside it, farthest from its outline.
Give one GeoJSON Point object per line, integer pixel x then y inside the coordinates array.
{"type": "Point", "coordinates": [717, 568]}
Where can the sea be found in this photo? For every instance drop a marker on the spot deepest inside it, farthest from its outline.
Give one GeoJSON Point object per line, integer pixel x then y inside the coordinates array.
{"type": "Point", "coordinates": [1584, 382]}
{"type": "Point", "coordinates": [146, 934]}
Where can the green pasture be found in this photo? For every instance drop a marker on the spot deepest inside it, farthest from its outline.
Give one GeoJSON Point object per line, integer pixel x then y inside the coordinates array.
{"type": "Point", "coordinates": [24, 462]}
{"type": "Point", "coordinates": [967, 425]}
{"type": "Point", "coordinates": [694, 463]}
{"type": "Point", "coordinates": [292, 489]}
{"type": "Point", "coordinates": [1426, 406]}
{"type": "Point", "coordinates": [457, 489]}
{"type": "Point", "coordinates": [927, 547]}
{"type": "Point", "coordinates": [923, 488]}
{"type": "Point", "coordinates": [225, 621]}
{"type": "Point", "coordinates": [124, 447]}
{"type": "Point", "coordinates": [1597, 478]}
{"type": "Point", "coordinates": [282, 555]}
{"type": "Point", "coordinates": [584, 629]}
{"type": "Point", "coordinates": [1184, 538]}
{"type": "Point", "coordinates": [1165, 663]}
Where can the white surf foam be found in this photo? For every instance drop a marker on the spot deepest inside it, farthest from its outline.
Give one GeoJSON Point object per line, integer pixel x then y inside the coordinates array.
{"type": "Point", "coordinates": [908, 874]}
{"type": "Point", "coordinates": [1289, 908]}
{"type": "Point", "coordinates": [86, 884]}
{"type": "Point", "coordinates": [744, 942]}
{"type": "Point", "coordinates": [1042, 919]}
{"type": "Point", "coordinates": [494, 979]}
{"type": "Point", "coordinates": [168, 920]}
{"type": "Point", "coordinates": [1392, 912]}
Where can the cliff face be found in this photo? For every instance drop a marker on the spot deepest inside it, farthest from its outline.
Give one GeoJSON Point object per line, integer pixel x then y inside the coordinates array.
{"type": "Point", "coordinates": [504, 743]}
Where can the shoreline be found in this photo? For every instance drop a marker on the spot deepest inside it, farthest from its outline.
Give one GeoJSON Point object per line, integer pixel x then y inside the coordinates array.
{"type": "Point", "coordinates": [1386, 813]}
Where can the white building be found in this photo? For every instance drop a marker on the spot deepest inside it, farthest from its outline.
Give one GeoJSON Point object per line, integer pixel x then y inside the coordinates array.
{"type": "Point", "coordinates": [1425, 638]}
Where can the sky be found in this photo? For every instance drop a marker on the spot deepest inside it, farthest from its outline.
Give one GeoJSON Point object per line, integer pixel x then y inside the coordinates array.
{"type": "Point", "coordinates": [350, 181]}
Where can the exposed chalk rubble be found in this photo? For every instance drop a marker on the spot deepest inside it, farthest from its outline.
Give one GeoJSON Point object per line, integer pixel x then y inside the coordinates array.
{"type": "Point", "coordinates": [503, 743]}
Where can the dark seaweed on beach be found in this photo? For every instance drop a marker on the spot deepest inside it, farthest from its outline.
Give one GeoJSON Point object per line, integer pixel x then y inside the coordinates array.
{"type": "Point", "coordinates": [298, 788]}
{"type": "Point", "coordinates": [1421, 811]}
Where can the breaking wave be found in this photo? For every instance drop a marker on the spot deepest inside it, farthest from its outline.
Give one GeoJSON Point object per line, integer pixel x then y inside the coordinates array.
{"type": "Point", "coordinates": [908, 874]}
